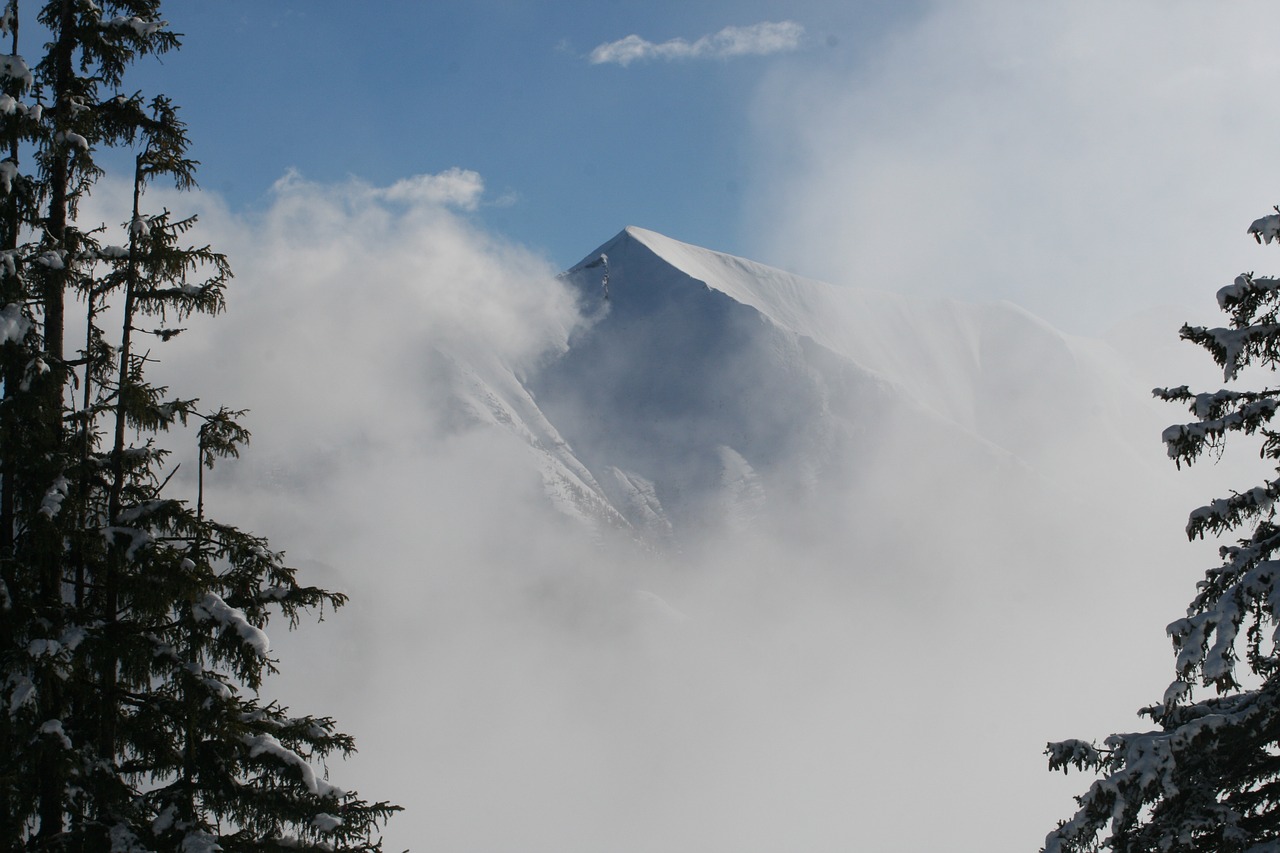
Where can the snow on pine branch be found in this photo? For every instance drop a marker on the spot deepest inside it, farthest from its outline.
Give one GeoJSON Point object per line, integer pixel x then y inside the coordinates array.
{"type": "Point", "coordinates": [1266, 229]}
{"type": "Point", "coordinates": [9, 105]}
{"type": "Point", "coordinates": [15, 67]}
{"type": "Point", "coordinates": [123, 840]}
{"type": "Point", "coordinates": [22, 693]}
{"type": "Point", "coordinates": [13, 324]}
{"type": "Point", "coordinates": [1187, 441]}
{"type": "Point", "coordinates": [1233, 349]}
{"type": "Point", "coordinates": [54, 729]}
{"type": "Point", "coordinates": [137, 539]}
{"type": "Point", "coordinates": [1207, 406]}
{"type": "Point", "coordinates": [211, 606]}
{"type": "Point", "coordinates": [54, 259]}
{"type": "Point", "coordinates": [1073, 753]}
{"type": "Point", "coordinates": [141, 28]}
{"type": "Point", "coordinates": [1226, 514]}
{"type": "Point", "coordinates": [51, 505]}
{"type": "Point", "coordinates": [200, 841]}
{"type": "Point", "coordinates": [1254, 590]}
{"type": "Point", "coordinates": [74, 140]}
{"type": "Point", "coordinates": [112, 253]}
{"type": "Point", "coordinates": [145, 511]}
{"type": "Point", "coordinates": [265, 744]}
{"type": "Point", "coordinates": [1244, 287]}
{"type": "Point", "coordinates": [1141, 771]}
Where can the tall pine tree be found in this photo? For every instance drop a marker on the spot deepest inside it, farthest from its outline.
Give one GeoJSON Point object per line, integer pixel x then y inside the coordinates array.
{"type": "Point", "coordinates": [132, 647]}
{"type": "Point", "coordinates": [1208, 778]}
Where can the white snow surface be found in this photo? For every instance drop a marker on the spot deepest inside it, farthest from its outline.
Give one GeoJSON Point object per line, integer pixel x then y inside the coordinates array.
{"type": "Point", "coordinates": [326, 822]}
{"type": "Point", "coordinates": [13, 325]}
{"type": "Point", "coordinates": [23, 692]}
{"type": "Point", "coordinates": [199, 841]}
{"type": "Point", "coordinates": [54, 729]}
{"type": "Point", "coordinates": [15, 67]}
{"type": "Point", "coordinates": [124, 841]}
{"type": "Point", "coordinates": [142, 28]}
{"type": "Point", "coordinates": [489, 392]}
{"type": "Point", "coordinates": [51, 505]}
{"type": "Point", "coordinates": [743, 491]}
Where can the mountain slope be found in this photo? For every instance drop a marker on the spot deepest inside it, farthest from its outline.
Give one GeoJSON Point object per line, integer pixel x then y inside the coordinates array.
{"type": "Point", "coordinates": [707, 393]}
{"type": "Point", "coordinates": [708, 390]}
{"type": "Point", "coordinates": [993, 369]}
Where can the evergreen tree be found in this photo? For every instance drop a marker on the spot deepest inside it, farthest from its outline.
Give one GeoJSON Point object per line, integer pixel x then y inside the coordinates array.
{"type": "Point", "coordinates": [1208, 779]}
{"type": "Point", "coordinates": [131, 625]}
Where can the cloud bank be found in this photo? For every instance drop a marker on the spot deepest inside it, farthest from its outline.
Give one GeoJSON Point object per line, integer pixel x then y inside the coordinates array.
{"type": "Point", "coordinates": [755, 40]}
{"type": "Point", "coordinates": [496, 661]}
{"type": "Point", "coordinates": [1083, 160]}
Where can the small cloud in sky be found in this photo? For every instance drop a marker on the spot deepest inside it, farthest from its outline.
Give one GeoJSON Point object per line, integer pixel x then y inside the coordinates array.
{"type": "Point", "coordinates": [459, 188]}
{"type": "Point", "coordinates": [756, 40]}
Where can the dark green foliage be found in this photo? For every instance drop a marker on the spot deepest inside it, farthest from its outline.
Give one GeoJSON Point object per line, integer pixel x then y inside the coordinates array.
{"type": "Point", "coordinates": [1208, 779]}
{"type": "Point", "coordinates": [131, 642]}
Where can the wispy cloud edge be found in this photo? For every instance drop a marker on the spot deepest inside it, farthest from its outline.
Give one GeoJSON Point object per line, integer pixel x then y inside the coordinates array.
{"type": "Point", "coordinates": [761, 39]}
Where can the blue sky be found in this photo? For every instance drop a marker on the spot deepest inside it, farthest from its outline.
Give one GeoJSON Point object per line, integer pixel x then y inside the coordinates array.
{"type": "Point", "coordinates": [570, 151]}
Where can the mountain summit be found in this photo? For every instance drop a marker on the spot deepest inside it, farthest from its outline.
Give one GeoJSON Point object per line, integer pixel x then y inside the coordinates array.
{"type": "Point", "coordinates": [707, 391]}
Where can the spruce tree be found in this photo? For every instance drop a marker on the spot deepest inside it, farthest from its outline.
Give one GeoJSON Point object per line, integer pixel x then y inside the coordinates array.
{"type": "Point", "coordinates": [132, 647]}
{"type": "Point", "coordinates": [1208, 778]}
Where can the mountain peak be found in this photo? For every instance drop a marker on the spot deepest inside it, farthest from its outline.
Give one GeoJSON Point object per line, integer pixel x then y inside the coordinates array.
{"type": "Point", "coordinates": [949, 357]}
{"type": "Point", "coordinates": [786, 299]}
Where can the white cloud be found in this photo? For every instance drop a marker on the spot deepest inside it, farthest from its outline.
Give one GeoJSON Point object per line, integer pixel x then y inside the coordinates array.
{"type": "Point", "coordinates": [460, 188]}
{"type": "Point", "coordinates": [344, 298]}
{"type": "Point", "coordinates": [350, 289]}
{"type": "Point", "coordinates": [756, 40]}
{"type": "Point", "coordinates": [483, 664]}
{"type": "Point", "coordinates": [487, 664]}
{"type": "Point", "coordinates": [1083, 159]}
{"type": "Point", "coordinates": [454, 188]}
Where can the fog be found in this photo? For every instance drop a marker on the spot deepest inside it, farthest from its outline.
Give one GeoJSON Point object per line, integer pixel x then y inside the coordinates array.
{"type": "Point", "coordinates": [1086, 160]}
{"type": "Point", "coordinates": [878, 666]}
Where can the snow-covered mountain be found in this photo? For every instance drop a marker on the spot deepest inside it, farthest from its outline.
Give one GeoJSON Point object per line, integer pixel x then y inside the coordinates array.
{"type": "Point", "coordinates": [706, 392]}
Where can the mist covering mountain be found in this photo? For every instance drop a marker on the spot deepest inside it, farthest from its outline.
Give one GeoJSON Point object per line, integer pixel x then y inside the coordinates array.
{"type": "Point", "coordinates": [714, 558]}
{"type": "Point", "coordinates": [704, 392]}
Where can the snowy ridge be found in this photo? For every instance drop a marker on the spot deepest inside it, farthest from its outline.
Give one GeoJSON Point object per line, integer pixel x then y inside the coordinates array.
{"type": "Point", "coordinates": [877, 330]}
{"type": "Point", "coordinates": [946, 355]}
{"type": "Point", "coordinates": [684, 385]}
{"type": "Point", "coordinates": [940, 351]}
{"type": "Point", "coordinates": [638, 500]}
{"type": "Point", "coordinates": [741, 489]}
{"type": "Point", "coordinates": [495, 396]}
